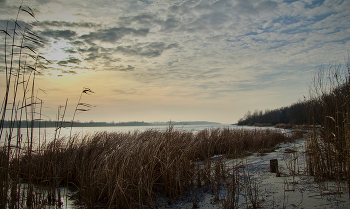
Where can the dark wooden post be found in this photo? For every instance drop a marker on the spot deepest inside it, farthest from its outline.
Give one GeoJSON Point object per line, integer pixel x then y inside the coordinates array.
{"type": "Point", "coordinates": [274, 166]}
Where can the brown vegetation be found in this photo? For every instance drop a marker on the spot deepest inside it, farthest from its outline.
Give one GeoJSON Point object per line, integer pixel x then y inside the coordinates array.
{"type": "Point", "coordinates": [329, 143]}
{"type": "Point", "coordinates": [284, 126]}
{"type": "Point", "coordinates": [129, 170]}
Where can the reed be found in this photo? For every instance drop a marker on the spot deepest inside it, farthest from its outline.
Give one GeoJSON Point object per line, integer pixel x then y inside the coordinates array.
{"type": "Point", "coordinates": [329, 142]}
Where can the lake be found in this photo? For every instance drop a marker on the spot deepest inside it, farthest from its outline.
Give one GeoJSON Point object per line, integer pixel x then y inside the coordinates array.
{"type": "Point", "coordinates": [48, 134]}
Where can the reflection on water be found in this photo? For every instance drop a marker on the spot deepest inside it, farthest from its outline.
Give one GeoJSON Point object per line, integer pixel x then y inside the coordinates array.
{"type": "Point", "coordinates": [46, 197]}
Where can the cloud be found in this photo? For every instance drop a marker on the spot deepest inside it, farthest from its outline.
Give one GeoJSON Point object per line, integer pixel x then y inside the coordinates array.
{"type": "Point", "coordinates": [139, 5]}
{"type": "Point", "coordinates": [119, 91]}
{"type": "Point", "coordinates": [73, 72]}
{"type": "Point", "coordinates": [10, 24]}
{"type": "Point", "coordinates": [111, 35]}
{"type": "Point", "coordinates": [92, 57]}
{"type": "Point", "coordinates": [71, 60]}
{"type": "Point", "coordinates": [245, 7]}
{"type": "Point", "coordinates": [43, 1]}
{"type": "Point", "coordinates": [167, 24]}
{"type": "Point", "coordinates": [2, 69]}
{"type": "Point", "coordinates": [57, 34]}
{"type": "Point", "coordinates": [172, 62]}
{"type": "Point", "coordinates": [207, 17]}
{"type": "Point", "coordinates": [266, 6]}
{"type": "Point", "coordinates": [62, 62]}
{"type": "Point", "coordinates": [90, 49]}
{"type": "Point", "coordinates": [153, 49]}
{"type": "Point", "coordinates": [183, 8]}
{"type": "Point", "coordinates": [122, 68]}
{"type": "Point", "coordinates": [209, 74]}
{"type": "Point", "coordinates": [66, 24]}
{"type": "Point", "coordinates": [170, 23]}
{"type": "Point", "coordinates": [78, 43]}
{"type": "Point", "coordinates": [145, 19]}
{"type": "Point", "coordinates": [70, 51]}
{"type": "Point", "coordinates": [190, 16]}
{"type": "Point", "coordinates": [97, 52]}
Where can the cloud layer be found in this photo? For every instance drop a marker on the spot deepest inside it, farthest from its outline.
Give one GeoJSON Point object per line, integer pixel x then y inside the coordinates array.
{"type": "Point", "coordinates": [197, 51]}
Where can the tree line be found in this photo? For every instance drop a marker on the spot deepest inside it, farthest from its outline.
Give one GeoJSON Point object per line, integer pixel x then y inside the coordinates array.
{"type": "Point", "coordinates": [295, 114]}
{"type": "Point", "coordinates": [44, 124]}
{"type": "Point", "coordinates": [47, 124]}
{"type": "Point", "coordinates": [328, 102]}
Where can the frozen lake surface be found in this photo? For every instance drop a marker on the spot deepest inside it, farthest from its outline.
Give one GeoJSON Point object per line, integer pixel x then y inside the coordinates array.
{"type": "Point", "coordinates": [48, 134]}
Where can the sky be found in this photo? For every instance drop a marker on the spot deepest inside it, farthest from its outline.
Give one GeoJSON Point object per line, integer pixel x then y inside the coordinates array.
{"type": "Point", "coordinates": [180, 60]}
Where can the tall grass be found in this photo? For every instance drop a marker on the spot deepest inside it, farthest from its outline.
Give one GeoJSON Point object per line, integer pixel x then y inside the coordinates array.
{"type": "Point", "coordinates": [328, 146]}
{"type": "Point", "coordinates": [131, 170]}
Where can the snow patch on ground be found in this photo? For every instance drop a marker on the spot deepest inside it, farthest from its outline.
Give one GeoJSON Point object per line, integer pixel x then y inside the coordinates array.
{"type": "Point", "coordinates": [293, 189]}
